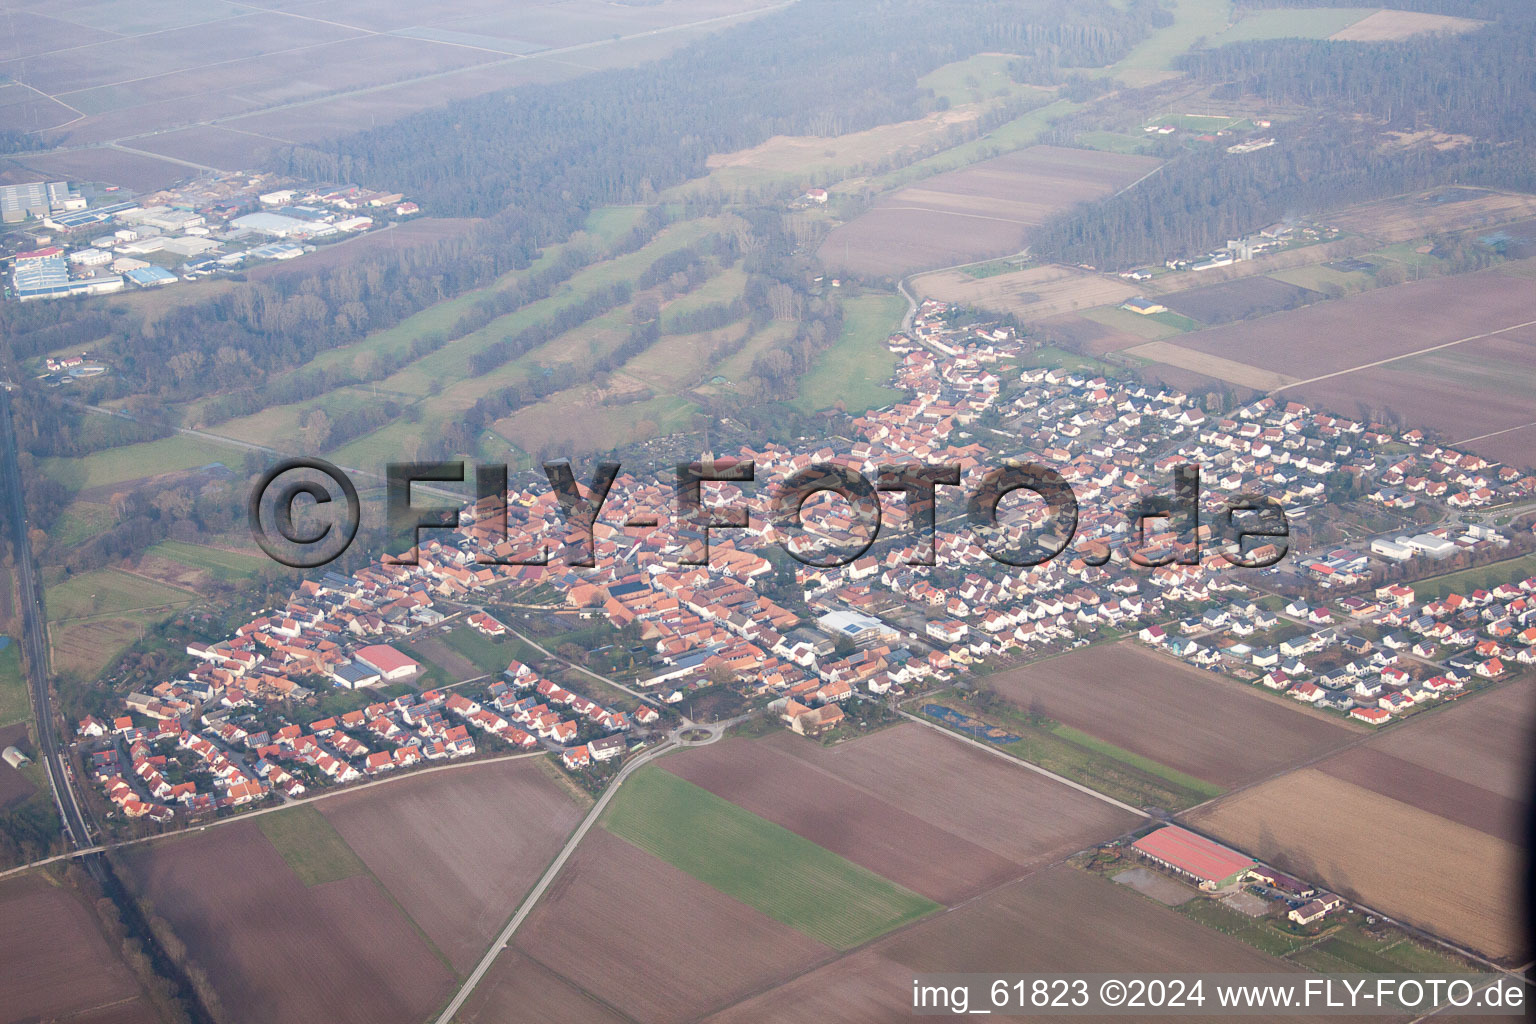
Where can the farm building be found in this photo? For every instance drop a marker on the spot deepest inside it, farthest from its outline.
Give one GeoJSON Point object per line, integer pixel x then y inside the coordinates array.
{"type": "Point", "coordinates": [391, 665]}
{"type": "Point", "coordinates": [1144, 306]}
{"type": "Point", "coordinates": [1210, 864]}
{"type": "Point", "coordinates": [15, 758]}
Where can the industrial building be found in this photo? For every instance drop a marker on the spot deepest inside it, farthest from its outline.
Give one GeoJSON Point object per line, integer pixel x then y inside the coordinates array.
{"type": "Point", "coordinates": [37, 199]}
{"type": "Point", "coordinates": [150, 277]}
{"type": "Point", "coordinates": [280, 225]}
{"type": "Point", "coordinates": [860, 628]}
{"type": "Point", "coordinates": [1210, 864]}
{"type": "Point", "coordinates": [390, 664]}
{"type": "Point", "coordinates": [47, 277]}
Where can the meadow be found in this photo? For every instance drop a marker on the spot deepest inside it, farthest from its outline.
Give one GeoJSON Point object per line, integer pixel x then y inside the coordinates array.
{"type": "Point", "coordinates": [763, 865]}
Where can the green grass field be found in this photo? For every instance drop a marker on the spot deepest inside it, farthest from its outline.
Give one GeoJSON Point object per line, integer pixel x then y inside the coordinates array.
{"type": "Point", "coordinates": [224, 565]}
{"type": "Point", "coordinates": [1153, 328]}
{"type": "Point", "coordinates": [1320, 278]}
{"type": "Point", "coordinates": [1178, 321]}
{"type": "Point", "coordinates": [488, 654]}
{"type": "Point", "coordinates": [1128, 777]}
{"type": "Point", "coordinates": [857, 369]}
{"type": "Point", "coordinates": [80, 521]}
{"type": "Point", "coordinates": [1484, 577]}
{"type": "Point", "coordinates": [14, 704]}
{"type": "Point", "coordinates": [133, 461]}
{"type": "Point", "coordinates": [1113, 142]}
{"type": "Point", "coordinates": [767, 867]}
{"type": "Point", "coordinates": [1022, 131]}
{"type": "Point", "coordinates": [1153, 57]}
{"type": "Point", "coordinates": [973, 80]}
{"type": "Point", "coordinates": [110, 592]}
{"type": "Point", "coordinates": [1145, 764]}
{"type": "Point", "coordinates": [1311, 23]}
{"type": "Point", "coordinates": [312, 848]}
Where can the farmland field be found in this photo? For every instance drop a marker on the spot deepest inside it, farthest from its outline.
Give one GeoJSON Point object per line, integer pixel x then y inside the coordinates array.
{"type": "Point", "coordinates": [1192, 721]}
{"type": "Point", "coordinates": [1487, 741]}
{"type": "Point", "coordinates": [1210, 365]}
{"type": "Point", "coordinates": [982, 211]}
{"type": "Point", "coordinates": [57, 964]}
{"type": "Point", "coordinates": [1427, 787]}
{"type": "Point", "coordinates": [1450, 354]}
{"type": "Point", "coordinates": [1406, 218]}
{"type": "Point", "coordinates": [1307, 23]}
{"type": "Point", "coordinates": [1030, 294]}
{"type": "Point", "coordinates": [220, 563]}
{"type": "Point", "coordinates": [1008, 810]}
{"type": "Point", "coordinates": [1060, 919]}
{"type": "Point", "coordinates": [213, 83]}
{"type": "Point", "coordinates": [636, 933]}
{"type": "Point", "coordinates": [1390, 26]}
{"type": "Point", "coordinates": [764, 865]}
{"type": "Point", "coordinates": [277, 949]}
{"type": "Point", "coordinates": [1386, 323]}
{"type": "Point", "coordinates": [1382, 852]}
{"type": "Point", "coordinates": [520, 988]}
{"type": "Point", "coordinates": [1469, 393]}
{"type": "Point", "coordinates": [1090, 336]}
{"type": "Point", "coordinates": [310, 846]}
{"type": "Point", "coordinates": [108, 592]}
{"type": "Point", "coordinates": [458, 849]}
{"type": "Point", "coordinates": [136, 461]}
{"type": "Point", "coordinates": [16, 786]}
{"type": "Point", "coordinates": [1242, 299]}
{"type": "Point", "coordinates": [879, 833]}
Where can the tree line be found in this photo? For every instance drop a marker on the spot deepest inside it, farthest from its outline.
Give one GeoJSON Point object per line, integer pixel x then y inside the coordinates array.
{"type": "Point", "coordinates": [1477, 84]}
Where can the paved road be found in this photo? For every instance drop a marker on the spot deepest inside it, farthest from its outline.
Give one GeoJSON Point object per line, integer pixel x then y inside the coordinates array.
{"type": "Point", "coordinates": [501, 941]}
{"type": "Point", "coordinates": [648, 698]}
{"type": "Point", "coordinates": [76, 825]}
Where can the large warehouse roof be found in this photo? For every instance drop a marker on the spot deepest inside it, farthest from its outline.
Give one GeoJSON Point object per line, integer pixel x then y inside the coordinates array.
{"type": "Point", "coordinates": [384, 658]}
{"type": "Point", "coordinates": [1193, 854]}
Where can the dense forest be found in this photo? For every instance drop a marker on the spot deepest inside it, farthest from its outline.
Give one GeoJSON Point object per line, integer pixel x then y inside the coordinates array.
{"type": "Point", "coordinates": [532, 162]}
{"type": "Point", "coordinates": [1479, 85]}
{"type": "Point", "coordinates": [819, 67]}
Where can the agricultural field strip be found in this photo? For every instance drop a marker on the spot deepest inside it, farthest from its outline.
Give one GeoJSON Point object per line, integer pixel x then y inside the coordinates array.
{"type": "Point", "coordinates": [1494, 433]}
{"type": "Point", "coordinates": [502, 59]}
{"type": "Point", "coordinates": [324, 794]}
{"type": "Point", "coordinates": [1408, 355]}
{"type": "Point", "coordinates": [504, 940]}
{"type": "Point", "coordinates": [1026, 764]}
{"type": "Point", "coordinates": [766, 866]}
{"type": "Point", "coordinates": [1173, 354]}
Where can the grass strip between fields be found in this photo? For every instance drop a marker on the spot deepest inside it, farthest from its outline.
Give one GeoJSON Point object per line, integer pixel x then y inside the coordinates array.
{"type": "Point", "coordinates": [766, 866]}
{"type": "Point", "coordinates": [310, 846]}
{"type": "Point", "coordinates": [1146, 764]}
{"type": "Point", "coordinates": [15, 706]}
{"type": "Point", "coordinates": [1076, 755]}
